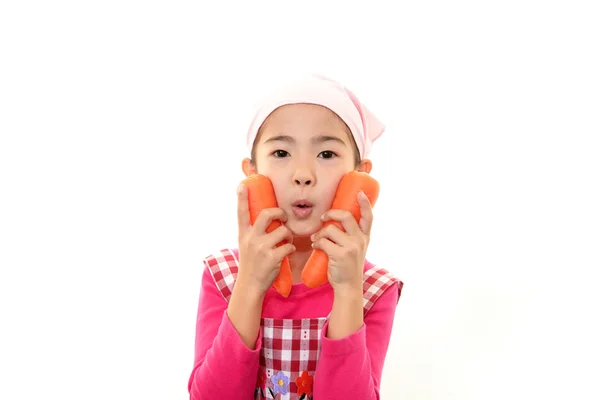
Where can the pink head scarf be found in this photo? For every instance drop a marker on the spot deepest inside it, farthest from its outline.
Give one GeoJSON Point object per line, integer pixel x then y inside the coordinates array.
{"type": "Point", "coordinates": [317, 89]}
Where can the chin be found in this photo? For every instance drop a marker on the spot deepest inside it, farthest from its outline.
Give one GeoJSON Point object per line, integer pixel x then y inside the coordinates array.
{"type": "Point", "coordinates": [304, 228]}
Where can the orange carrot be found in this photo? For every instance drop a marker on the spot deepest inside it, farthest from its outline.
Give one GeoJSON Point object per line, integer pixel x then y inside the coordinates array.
{"type": "Point", "coordinates": [260, 196]}
{"type": "Point", "coordinates": [314, 273]}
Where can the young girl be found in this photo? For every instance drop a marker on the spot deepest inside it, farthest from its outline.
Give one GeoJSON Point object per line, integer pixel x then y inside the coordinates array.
{"type": "Point", "coordinates": [328, 342]}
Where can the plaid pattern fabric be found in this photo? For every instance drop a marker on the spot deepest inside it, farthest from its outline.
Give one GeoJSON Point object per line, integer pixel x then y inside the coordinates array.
{"type": "Point", "coordinates": [223, 268]}
{"type": "Point", "coordinates": [375, 281]}
{"type": "Point", "coordinates": [291, 347]}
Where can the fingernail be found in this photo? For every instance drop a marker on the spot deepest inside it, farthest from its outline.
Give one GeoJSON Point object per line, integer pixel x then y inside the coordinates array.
{"type": "Point", "coordinates": [312, 237]}
{"type": "Point", "coordinates": [323, 216]}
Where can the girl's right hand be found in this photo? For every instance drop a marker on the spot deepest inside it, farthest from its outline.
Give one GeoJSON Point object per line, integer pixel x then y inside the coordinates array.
{"type": "Point", "coordinates": [260, 259]}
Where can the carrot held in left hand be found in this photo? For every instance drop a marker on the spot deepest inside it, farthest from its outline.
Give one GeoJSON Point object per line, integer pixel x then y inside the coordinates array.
{"type": "Point", "coordinates": [315, 270]}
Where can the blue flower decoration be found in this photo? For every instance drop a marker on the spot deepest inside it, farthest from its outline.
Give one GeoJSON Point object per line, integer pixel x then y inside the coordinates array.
{"type": "Point", "coordinates": [280, 383]}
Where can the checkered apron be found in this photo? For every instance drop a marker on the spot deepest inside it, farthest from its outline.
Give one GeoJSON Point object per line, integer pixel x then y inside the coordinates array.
{"type": "Point", "coordinates": [291, 347]}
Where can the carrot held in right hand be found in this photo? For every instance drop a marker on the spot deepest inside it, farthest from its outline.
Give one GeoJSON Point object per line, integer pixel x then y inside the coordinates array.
{"type": "Point", "coordinates": [265, 242]}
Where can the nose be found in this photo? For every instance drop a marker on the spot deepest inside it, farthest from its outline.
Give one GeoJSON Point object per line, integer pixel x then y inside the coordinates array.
{"type": "Point", "coordinates": [304, 177]}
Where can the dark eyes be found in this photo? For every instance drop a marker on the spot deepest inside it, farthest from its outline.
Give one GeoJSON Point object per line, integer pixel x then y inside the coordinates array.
{"type": "Point", "coordinates": [282, 153]}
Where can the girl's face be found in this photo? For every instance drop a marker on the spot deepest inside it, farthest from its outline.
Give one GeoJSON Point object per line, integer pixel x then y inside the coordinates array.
{"type": "Point", "coordinates": [305, 150]}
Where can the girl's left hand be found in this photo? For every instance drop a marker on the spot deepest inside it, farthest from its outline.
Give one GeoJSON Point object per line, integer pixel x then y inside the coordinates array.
{"type": "Point", "coordinates": [346, 250]}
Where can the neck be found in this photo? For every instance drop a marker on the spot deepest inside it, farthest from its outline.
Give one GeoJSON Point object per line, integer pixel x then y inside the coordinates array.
{"type": "Point", "coordinates": [299, 257]}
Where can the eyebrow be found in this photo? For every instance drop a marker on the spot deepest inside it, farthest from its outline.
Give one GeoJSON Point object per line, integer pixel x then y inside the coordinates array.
{"type": "Point", "coordinates": [316, 140]}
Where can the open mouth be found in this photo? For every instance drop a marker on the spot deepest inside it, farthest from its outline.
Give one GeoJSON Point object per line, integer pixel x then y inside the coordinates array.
{"type": "Point", "coordinates": [302, 208]}
{"type": "Point", "coordinates": [302, 203]}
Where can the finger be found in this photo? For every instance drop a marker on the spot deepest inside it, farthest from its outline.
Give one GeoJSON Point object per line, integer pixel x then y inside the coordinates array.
{"type": "Point", "coordinates": [346, 218]}
{"type": "Point", "coordinates": [278, 235]}
{"type": "Point", "coordinates": [328, 247]}
{"type": "Point", "coordinates": [268, 215]}
{"type": "Point", "coordinates": [366, 213]}
{"type": "Point", "coordinates": [333, 233]}
{"type": "Point", "coordinates": [243, 209]}
{"type": "Point", "coordinates": [283, 251]}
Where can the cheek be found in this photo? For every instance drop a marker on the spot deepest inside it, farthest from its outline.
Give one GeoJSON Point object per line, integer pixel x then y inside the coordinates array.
{"type": "Point", "coordinates": [279, 186]}
{"type": "Point", "coordinates": [329, 191]}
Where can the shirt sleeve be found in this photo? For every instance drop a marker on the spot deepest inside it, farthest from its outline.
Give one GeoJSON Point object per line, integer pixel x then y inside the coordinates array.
{"type": "Point", "coordinates": [351, 367]}
{"type": "Point", "coordinates": [224, 367]}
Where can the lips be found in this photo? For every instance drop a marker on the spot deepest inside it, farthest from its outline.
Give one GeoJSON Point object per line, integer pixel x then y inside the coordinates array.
{"type": "Point", "coordinates": [302, 208]}
{"type": "Point", "coordinates": [302, 203]}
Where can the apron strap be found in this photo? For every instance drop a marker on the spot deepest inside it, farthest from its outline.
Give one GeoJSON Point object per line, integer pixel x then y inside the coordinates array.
{"type": "Point", "coordinates": [223, 267]}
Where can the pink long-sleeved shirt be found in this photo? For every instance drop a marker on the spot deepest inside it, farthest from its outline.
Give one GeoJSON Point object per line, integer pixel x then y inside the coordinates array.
{"type": "Point", "coordinates": [351, 367]}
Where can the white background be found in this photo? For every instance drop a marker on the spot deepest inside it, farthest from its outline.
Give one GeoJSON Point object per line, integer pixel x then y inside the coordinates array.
{"type": "Point", "coordinates": [122, 131]}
